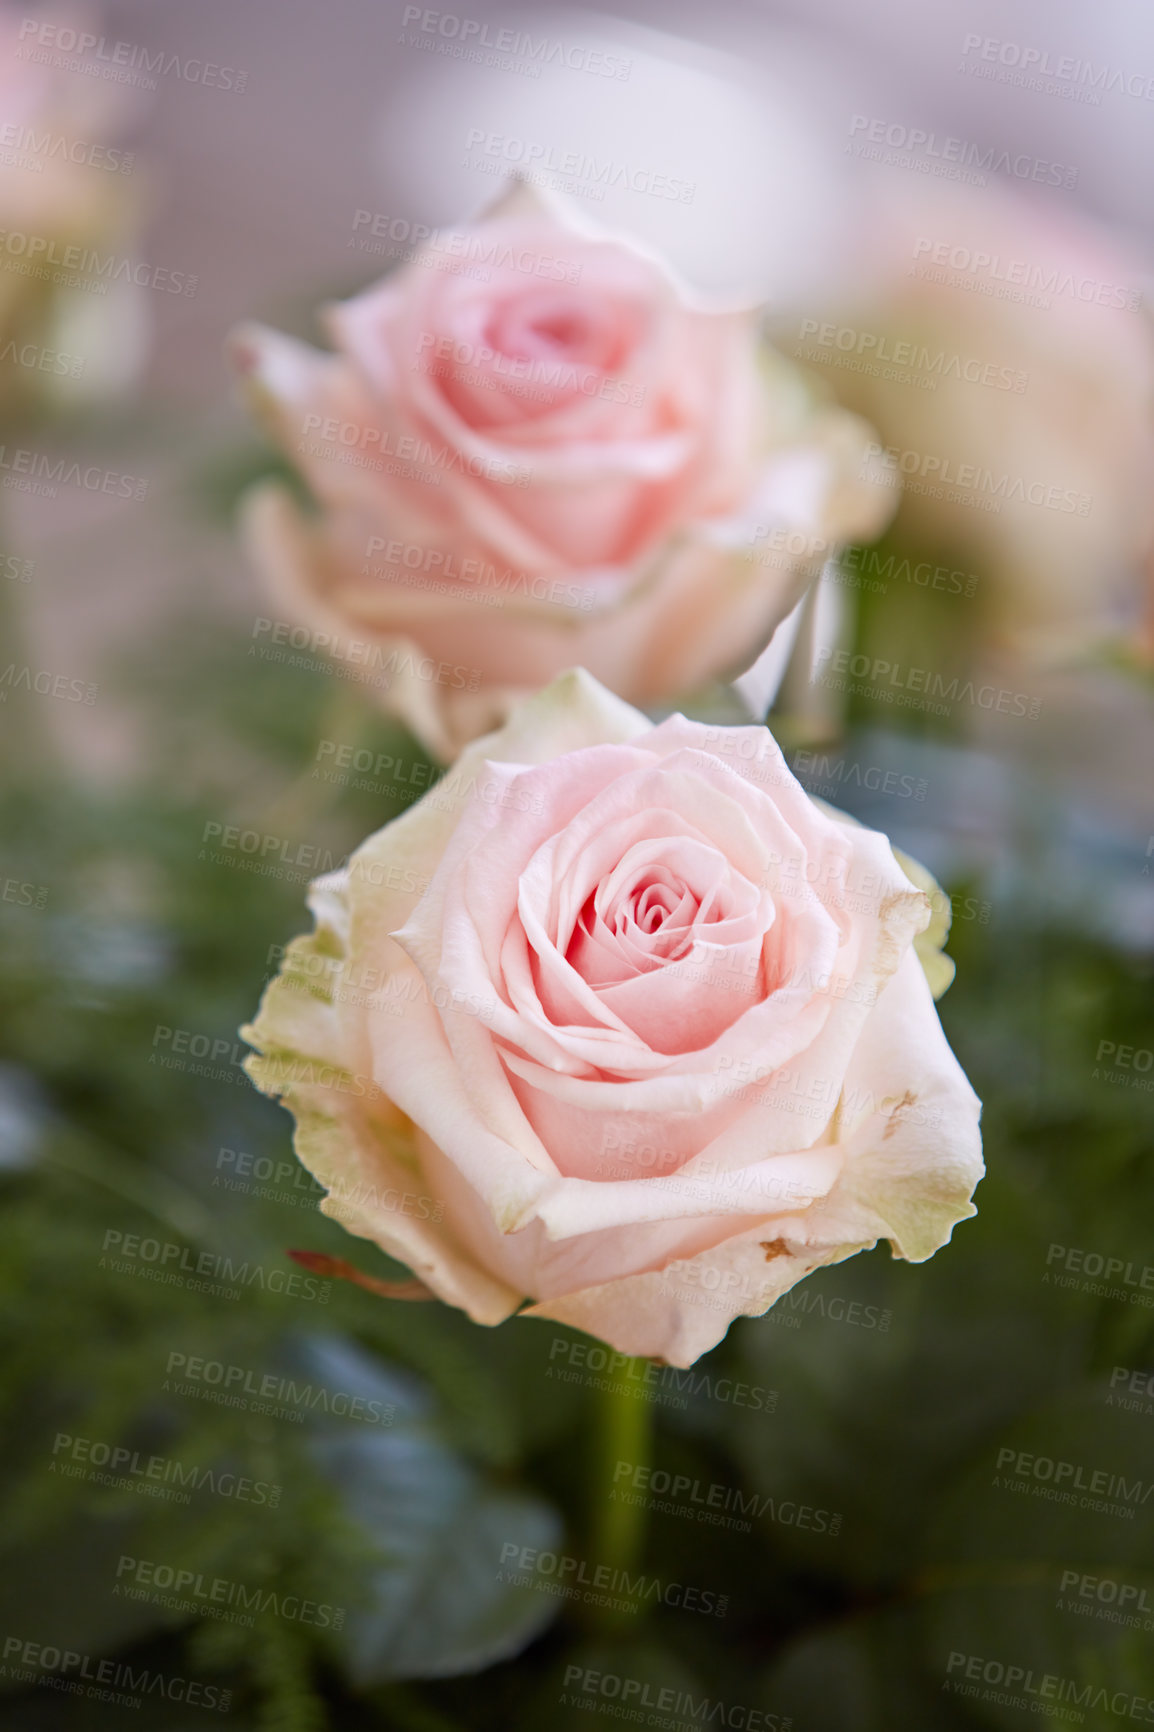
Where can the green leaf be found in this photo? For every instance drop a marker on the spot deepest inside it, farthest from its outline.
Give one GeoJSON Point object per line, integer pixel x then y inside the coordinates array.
{"type": "Point", "coordinates": [439, 1604]}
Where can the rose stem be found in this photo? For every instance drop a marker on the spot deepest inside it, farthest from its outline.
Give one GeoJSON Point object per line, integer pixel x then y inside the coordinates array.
{"type": "Point", "coordinates": [622, 1432]}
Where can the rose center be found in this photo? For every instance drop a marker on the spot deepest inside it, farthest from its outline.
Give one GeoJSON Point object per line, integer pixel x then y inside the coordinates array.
{"type": "Point", "coordinates": [563, 330]}
{"type": "Point", "coordinates": [654, 916]}
{"type": "Point", "coordinates": [654, 907]}
{"type": "Point", "coordinates": [543, 327]}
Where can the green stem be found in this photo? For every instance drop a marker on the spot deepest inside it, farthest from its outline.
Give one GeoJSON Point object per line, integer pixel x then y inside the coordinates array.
{"type": "Point", "coordinates": [622, 1432]}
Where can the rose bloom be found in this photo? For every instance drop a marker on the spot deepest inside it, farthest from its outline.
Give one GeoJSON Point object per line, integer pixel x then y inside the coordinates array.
{"type": "Point", "coordinates": [532, 447]}
{"type": "Point", "coordinates": [618, 1025]}
{"type": "Point", "coordinates": [1029, 322]}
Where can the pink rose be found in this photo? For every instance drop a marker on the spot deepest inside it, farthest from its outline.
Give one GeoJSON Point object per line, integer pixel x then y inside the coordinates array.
{"type": "Point", "coordinates": [532, 447]}
{"type": "Point", "coordinates": [619, 1023]}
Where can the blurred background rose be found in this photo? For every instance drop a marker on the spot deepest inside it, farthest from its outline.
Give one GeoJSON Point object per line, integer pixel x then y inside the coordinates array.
{"type": "Point", "coordinates": [1004, 331]}
{"type": "Point", "coordinates": [519, 470]}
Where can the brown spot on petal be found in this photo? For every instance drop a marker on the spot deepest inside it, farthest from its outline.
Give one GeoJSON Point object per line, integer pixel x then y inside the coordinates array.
{"type": "Point", "coordinates": [909, 1099]}
{"type": "Point", "coordinates": [774, 1248]}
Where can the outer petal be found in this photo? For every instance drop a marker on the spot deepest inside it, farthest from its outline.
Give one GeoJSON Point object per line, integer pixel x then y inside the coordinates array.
{"type": "Point", "coordinates": [679, 1313]}
{"type": "Point", "coordinates": [296, 561]}
{"type": "Point", "coordinates": [348, 1134]}
{"type": "Point", "coordinates": [929, 943]}
{"type": "Point", "coordinates": [909, 1171]}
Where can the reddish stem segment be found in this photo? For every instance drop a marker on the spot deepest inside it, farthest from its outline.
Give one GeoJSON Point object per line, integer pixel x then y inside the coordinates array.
{"type": "Point", "coordinates": [338, 1269]}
